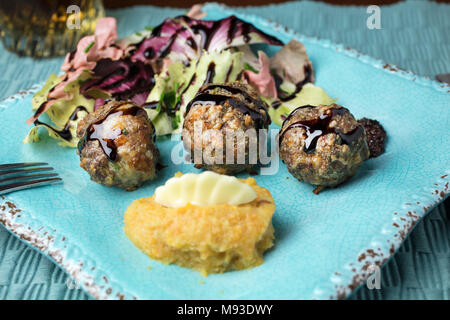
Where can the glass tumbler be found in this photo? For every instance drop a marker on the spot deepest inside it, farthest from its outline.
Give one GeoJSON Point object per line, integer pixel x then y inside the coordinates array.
{"type": "Point", "coordinates": [46, 28]}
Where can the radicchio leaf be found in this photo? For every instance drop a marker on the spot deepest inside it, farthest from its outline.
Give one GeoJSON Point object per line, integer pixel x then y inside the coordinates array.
{"type": "Point", "coordinates": [121, 79]}
{"type": "Point", "coordinates": [183, 82]}
{"type": "Point", "coordinates": [292, 69]}
{"type": "Point", "coordinates": [183, 39]}
{"type": "Point", "coordinates": [262, 81]}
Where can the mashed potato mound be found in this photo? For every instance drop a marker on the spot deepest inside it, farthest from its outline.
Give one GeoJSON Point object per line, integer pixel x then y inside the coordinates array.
{"type": "Point", "coordinates": [209, 239]}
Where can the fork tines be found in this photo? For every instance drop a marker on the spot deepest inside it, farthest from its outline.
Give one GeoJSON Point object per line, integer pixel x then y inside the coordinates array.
{"type": "Point", "coordinates": [19, 176]}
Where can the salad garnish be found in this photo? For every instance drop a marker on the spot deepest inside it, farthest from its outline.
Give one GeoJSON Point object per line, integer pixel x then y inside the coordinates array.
{"type": "Point", "coordinates": [162, 68]}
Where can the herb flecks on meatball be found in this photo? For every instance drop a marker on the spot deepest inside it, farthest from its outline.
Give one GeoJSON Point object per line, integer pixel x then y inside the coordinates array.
{"type": "Point", "coordinates": [117, 145]}
{"type": "Point", "coordinates": [221, 111]}
{"type": "Point", "coordinates": [376, 136]}
{"type": "Point", "coordinates": [323, 145]}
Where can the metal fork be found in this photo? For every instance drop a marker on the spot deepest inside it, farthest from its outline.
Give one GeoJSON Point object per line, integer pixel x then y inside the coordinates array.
{"type": "Point", "coordinates": [19, 176]}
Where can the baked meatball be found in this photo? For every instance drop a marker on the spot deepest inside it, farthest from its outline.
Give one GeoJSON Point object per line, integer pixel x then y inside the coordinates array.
{"type": "Point", "coordinates": [322, 145]}
{"type": "Point", "coordinates": [117, 145]}
{"type": "Point", "coordinates": [376, 136]}
{"type": "Point", "coordinates": [216, 127]}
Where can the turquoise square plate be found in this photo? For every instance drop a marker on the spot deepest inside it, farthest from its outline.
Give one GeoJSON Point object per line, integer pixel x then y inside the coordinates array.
{"type": "Point", "coordinates": [326, 245]}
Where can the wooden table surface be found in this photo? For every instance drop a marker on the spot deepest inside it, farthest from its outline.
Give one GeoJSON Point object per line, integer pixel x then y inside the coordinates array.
{"type": "Point", "coordinates": [189, 3]}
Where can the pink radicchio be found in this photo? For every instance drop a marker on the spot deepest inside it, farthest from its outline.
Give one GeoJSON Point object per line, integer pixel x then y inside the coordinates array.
{"type": "Point", "coordinates": [196, 12]}
{"type": "Point", "coordinates": [93, 48]}
{"type": "Point", "coordinates": [291, 64]}
{"type": "Point", "coordinates": [183, 39]}
{"type": "Point", "coordinates": [121, 79]}
{"type": "Point", "coordinates": [89, 50]}
{"type": "Point", "coordinates": [262, 81]}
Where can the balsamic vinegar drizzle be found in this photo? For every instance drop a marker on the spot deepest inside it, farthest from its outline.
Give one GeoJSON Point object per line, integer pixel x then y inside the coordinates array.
{"type": "Point", "coordinates": [178, 105]}
{"type": "Point", "coordinates": [42, 107]}
{"type": "Point", "coordinates": [261, 105]}
{"type": "Point", "coordinates": [318, 127]}
{"type": "Point", "coordinates": [149, 53]}
{"type": "Point", "coordinates": [245, 32]}
{"type": "Point", "coordinates": [156, 32]}
{"type": "Point", "coordinates": [232, 30]}
{"type": "Point", "coordinates": [206, 98]}
{"type": "Point", "coordinates": [208, 33]}
{"type": "Point", "coordinates": [298, 86]}
{"type": "Point", "coordinates": [168, 47]}
{"type": "Point", "coordinates": [217, 99]}
{"type": "Point", "coordinates": [230, 68]}
{"type": "Point", "coordinates": [129, 70]}
{"type": "Point", "coordinates": [96, 131]}
{"type": "Point", "coordinates": [194, 76]}
{"type": "Point", "coordinates": [191, 43]}
{"type": "Point", "coordinates": [276, 104]}
{"type": "Point", "coordinates": [65, 132]}
{"type": "Point", "coordinates": [154, 104]}
{"type": "Point", "coordinates": [210, 73]}
{"type": "Point", "coordinates": [107, 144]}
{"type": "Point", "coordinates": [236, 27]}
{"type": "Point", "coordinates": [198, 29]}
{"type": "Point", "coordinates": [151, 105]}
{"type": "Point", "coordinates": [72, 54]}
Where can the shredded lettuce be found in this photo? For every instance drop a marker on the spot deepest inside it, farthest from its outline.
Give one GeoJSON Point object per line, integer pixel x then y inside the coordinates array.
{"type": "Point", "coordinates": [182, 83]}
{"type": "Point", "coordinates": [64, 115]}
{"type": "Point", "coordinates": [163, 68]}
{"type": "Point", "coordinates": [41, 96]}
{"type": "Point", "coordinates": [309, 95]}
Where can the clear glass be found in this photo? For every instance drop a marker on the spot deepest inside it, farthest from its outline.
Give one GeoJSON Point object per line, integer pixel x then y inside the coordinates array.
{"type": "Point", "coordinates": [46, 28]}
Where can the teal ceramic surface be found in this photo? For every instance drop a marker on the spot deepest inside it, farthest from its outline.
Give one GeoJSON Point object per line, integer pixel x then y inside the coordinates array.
{"type": "Point", "coordinates": [325, 244]}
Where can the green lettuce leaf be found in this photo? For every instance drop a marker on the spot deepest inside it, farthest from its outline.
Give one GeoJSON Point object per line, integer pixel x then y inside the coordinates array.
{"type": "Point", "coordinates": [175, 88]}
{"type": "Point", "coordinates": [309, 95]}
{"type": "Point", "coordinates": [41, 96]}
{"type": "Point", "coordinates": [64, 115]}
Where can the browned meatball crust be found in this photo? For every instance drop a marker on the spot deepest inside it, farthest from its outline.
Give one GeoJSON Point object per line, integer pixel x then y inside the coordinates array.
{"type": "Point", "coordinates": [376, 136]}
{"type": "Point", "coordinates": [322, 145]}
{"type": "Point", "coordinates": [229, 109]}
{"type": "Point", "coordinates": [117, 145]}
